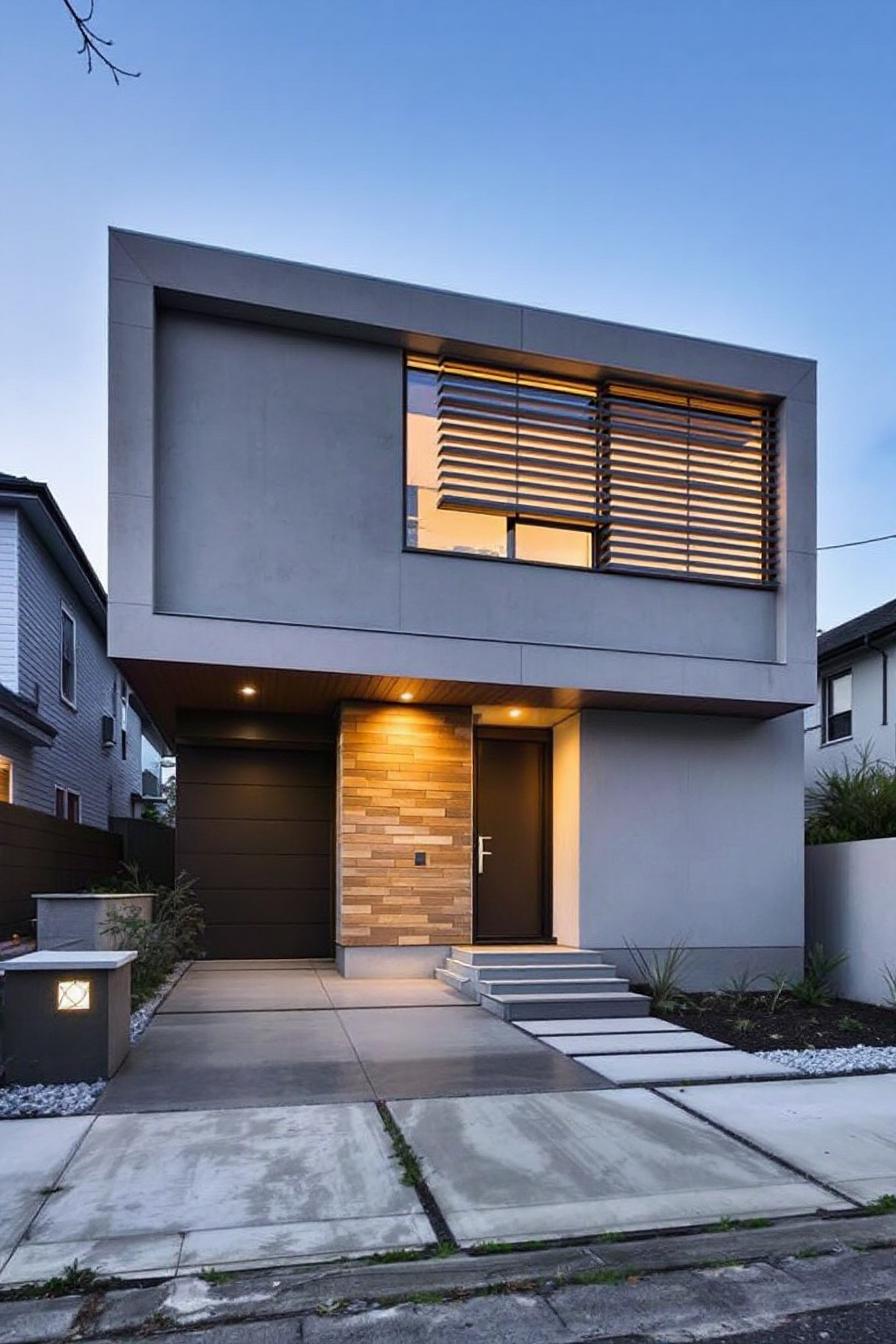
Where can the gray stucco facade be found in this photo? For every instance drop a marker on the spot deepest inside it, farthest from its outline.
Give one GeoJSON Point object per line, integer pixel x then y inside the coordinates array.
{"type": "Point", "coordinates": [257, 532]}
{"type": "Point", "coordinates": [34, 590]}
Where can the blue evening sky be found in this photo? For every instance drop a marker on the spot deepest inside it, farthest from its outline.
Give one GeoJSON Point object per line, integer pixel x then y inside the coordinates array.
{"type": "Point", "coordinates": [718, 167]}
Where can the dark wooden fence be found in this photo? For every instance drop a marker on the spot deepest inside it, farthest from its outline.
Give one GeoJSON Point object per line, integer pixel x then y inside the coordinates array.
{"type": "Point", "coordinates": [148, 844]}
{"type": "Point", "coordinates": [40, 853]}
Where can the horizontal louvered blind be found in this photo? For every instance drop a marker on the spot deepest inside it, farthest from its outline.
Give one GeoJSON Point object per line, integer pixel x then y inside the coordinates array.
{"type": "Point", "coordinates": [517, 444]}
{"type": "Point", "coordinates": [672, 481]}
{"type": "Point", "coordinates": [687, 484]}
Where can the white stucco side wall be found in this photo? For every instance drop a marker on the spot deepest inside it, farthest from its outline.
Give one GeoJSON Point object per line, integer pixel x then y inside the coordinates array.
{"type": "Point", "coordinates": [851, 908]}
{"type": "Point", "coordinates": [691, 828]}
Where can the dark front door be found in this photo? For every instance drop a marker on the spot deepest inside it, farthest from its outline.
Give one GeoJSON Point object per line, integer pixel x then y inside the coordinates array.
{"type": "Point", "coordinates": [511, 859]}
{"type": "Point", "coordinates": [254, 828]}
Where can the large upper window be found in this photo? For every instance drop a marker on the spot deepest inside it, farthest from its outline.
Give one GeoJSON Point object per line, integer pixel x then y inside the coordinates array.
{"type": "Point", "coordinates": [67, 673]}
{"type": "Point", "coordinates": [836, 700]}
{"type": "Point", "coordinates": [5, 780]}
{"type": "Point", "coordinates": [606, 475]}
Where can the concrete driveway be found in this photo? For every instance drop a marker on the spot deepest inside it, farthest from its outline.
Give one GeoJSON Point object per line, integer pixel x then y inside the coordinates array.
{"type": "Point", "coordinates": [245, 1130]}
{"type": "Point", "coordinates": [235, 1034]}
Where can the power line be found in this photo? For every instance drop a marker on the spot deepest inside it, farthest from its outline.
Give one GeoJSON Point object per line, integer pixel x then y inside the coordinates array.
{"type": "Point", "coordinates": [842, 545]}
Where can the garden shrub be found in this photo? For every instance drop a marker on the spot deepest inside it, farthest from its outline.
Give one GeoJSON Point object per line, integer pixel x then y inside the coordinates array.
{"type": "Point", "coordinates": [852, 802]}
{"type": "Point", "coordinates": [173, 934]}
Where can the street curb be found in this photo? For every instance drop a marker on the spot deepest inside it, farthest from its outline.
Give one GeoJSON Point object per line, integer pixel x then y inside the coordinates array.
{"type": "Point", "coordinates": [329, 1290]}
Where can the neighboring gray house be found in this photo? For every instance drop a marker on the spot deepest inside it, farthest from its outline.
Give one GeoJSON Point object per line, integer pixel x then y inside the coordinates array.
{"type": "Point", "coordinates": [471, 621]}
{"type": "Point", "coordinates": [72, 735]}
{"type": "Point", "coordinates": [854, 700]}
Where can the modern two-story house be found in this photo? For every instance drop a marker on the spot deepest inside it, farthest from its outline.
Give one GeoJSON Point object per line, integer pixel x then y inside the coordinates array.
{"type": "Point", "coordinates": [74, 740]}
{"type": "Point", "coordinates": [472, 622]}
{"type": "Point", "coordinates": [853, 710]}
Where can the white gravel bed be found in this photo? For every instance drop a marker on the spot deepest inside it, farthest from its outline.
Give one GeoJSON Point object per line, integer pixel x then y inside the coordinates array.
{"type": "Point", "coordinates": [839, 1059]}
{"type": "Point", "coordinates": [141, 1019]}
{"type": "Point", "coordinates": [32, 1100]}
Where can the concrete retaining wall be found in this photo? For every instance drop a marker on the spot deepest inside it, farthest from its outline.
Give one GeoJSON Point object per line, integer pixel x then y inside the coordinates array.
{"type": "Point", "coordinates": [851, 908]}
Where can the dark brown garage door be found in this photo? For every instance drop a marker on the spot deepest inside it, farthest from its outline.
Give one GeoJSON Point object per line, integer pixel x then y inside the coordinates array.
{"type": "Point", "coordinates": [255, 827]}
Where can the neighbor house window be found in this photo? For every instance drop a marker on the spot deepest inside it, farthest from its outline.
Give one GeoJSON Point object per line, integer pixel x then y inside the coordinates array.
{"type": "Point", "coordinates": [604, 475]}
{"type": "Point", "coordinates": [836, 698]}
{"type": "Point", "coordinates": [5, 780]}
{"type": "Point", "coordinates": [67, 672]}
{"type": "Point", "coordinates": [68, 804]}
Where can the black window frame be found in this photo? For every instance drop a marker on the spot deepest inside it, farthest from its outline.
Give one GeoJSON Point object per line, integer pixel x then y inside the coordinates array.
{"type": "Point", "coordinates": [827, 715]}
{"type": "Point", "coordinates": [412, 547]}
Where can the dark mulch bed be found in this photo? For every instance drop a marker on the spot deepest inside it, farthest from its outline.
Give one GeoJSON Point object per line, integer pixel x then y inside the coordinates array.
{"type": "Point", "coordinates": [746, 1021]}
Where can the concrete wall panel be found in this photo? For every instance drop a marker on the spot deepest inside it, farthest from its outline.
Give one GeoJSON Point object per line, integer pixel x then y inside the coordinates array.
{"type": "Point", "coordinates": [851, 908]}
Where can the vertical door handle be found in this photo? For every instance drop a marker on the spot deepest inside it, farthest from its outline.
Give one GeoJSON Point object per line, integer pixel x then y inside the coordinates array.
{"type": "Point", "coordinates": [483, 853]}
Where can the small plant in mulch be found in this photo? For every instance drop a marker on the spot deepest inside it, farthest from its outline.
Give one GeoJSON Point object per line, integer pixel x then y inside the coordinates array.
{"type": "Point", "coordinates": [814, 989]}
{"type": "Point", "coordinates": [889, 977]}
{"type": "Point", "coordinates": [661, 973]}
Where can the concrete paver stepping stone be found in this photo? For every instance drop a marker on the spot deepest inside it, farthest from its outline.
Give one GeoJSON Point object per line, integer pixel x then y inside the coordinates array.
{"type": "Point", "coordinates": [632, 1044]}
{"type": "Point", "coordinates": [282, 1182]}
{"type": "Point", "coordinates": [34, 1154]}
{"type": "Point", "coordinates": [576, 1163]}
{"type": "Point", "coordinates": [840, 1130]}
{"type": "Point", "coordinates": [589, 1026]}
{"type": "Point", "coordinates": [685, 1067]}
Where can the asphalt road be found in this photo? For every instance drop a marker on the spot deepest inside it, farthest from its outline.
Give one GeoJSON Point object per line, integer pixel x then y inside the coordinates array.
{"type": "Point", "coordinates": [869, 1323]}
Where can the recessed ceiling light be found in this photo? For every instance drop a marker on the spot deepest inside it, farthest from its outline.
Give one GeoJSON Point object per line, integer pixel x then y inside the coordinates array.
{"type": "Point", "coordinates": [514, 713]}
{"type": "Point", "coordinates": [406, 695]}
{"type": "Point", "coordinates": [248, 691]}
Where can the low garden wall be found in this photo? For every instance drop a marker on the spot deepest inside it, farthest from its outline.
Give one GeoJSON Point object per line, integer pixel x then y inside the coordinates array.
{"type": "Point", "coordinates": [851, 908]}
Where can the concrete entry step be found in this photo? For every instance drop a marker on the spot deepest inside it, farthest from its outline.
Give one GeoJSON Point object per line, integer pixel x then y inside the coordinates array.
{"type": "Point", "coordinates": [453, 978]}
{"type": "Point", "coordinates": [522, 1007]}
{"type": "Point", "coordinates": [534, 970]}
{"type": "Point", "coordinates": [523, 954]}
{"type": "Point", "coordinates": [534, 981]}
{"type": "Point", "coordinates": [549, 988]}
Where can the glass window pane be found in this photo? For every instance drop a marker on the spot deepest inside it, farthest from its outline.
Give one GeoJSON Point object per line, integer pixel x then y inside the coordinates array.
{"type": "Point", "coordinates": [5, 780]}
{"type": "Point", "coordinates": [67, 665]}
{"type": "Point", "coordinates": [427, 526]}
{"type": "Point", "coordinates": [841, 693]}
{"type": "Point", "coordinates": [553, 545]}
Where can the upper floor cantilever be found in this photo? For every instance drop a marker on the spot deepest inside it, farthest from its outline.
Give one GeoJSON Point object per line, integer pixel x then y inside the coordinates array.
{"type": "Point", "coordinates": [328, 473]}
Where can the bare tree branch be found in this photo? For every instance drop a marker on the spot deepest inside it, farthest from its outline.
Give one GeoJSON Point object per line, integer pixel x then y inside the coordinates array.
{"type": "Point", "coordinates": [92, 44]}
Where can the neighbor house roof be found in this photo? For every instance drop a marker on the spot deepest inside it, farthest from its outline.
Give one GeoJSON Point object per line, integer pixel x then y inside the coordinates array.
{"type": "Point", "coordinates": [35, 499]}
{"type": "Point", "coordinates": [856, 633]}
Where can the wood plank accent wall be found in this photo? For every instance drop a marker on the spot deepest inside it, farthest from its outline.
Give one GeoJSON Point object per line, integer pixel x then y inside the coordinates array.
{"type": "Point", "coordinates": [404, 784]}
